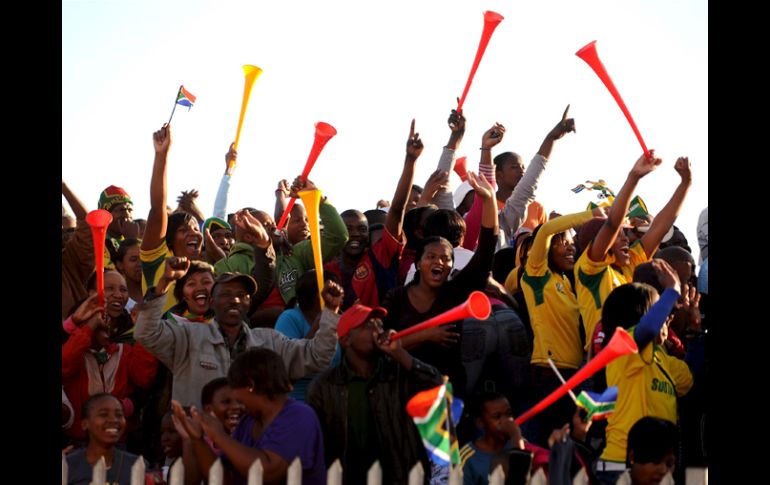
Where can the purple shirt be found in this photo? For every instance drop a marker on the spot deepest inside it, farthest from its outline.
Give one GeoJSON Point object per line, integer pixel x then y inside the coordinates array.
{"type": "Point", "coordinates": [295, 432]}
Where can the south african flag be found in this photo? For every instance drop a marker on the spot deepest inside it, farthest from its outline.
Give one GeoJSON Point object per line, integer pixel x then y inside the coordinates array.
{"type": "Point", "coordinates": [598, 405]}
{"type": "Point", "coordinates": [428, 409]}
{"type": "Point", "coordinates": [185, 97]}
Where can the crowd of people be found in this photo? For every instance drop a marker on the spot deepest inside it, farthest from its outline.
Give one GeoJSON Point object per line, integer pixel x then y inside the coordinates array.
{"type": "Point", "coordinates": [215, 340]}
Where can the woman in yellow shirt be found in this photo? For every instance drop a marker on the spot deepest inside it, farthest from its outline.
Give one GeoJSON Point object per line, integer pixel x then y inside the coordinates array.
{"type": "Point", "coordinates": [554, 316]}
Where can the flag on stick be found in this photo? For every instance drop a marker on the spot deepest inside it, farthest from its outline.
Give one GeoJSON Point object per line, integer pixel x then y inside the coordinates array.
{"type": "Point", "coordinates": [183, 97]}
{"type": "Point", "coordinates": [434, 412]}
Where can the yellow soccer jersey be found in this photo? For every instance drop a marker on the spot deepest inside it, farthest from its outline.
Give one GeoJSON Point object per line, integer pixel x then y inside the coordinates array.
{"type": "Point", "coordinates": [512, 281]}
{"type": "Point", "coordinates": [551, 301]}
{"type": "Point", "coordinates": [594, 281]}
{"type": "Point", "coordinates": [153, 267]}
{"type": "Point", "coordinates": [648, 385]}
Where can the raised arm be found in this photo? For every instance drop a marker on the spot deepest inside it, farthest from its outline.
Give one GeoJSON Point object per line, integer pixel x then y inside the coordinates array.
{"type": "Point", "coordinates": [538, 254]}
{"type": "Point", "coordinates": [456, 121]}
{"type": "Point", "coordinates": [489, 140]}
{"type": "Point", "coordinates": [651, 322]}
{"type": "Point", "coordinates": [515, 209]}
{"type": "Point", "coordinates": [166, 341]}
{"type": "Point", "coordinates": [605, 238]}
{"type": "Point", "coordinates": [395, 218]}
{"type": "Point", "coordinates": [281, 198]}
{"type": "Point", "coordinates": [157, 219]}
{"type": "Point", "coordinates": [186, 203]}
{"type": "Point", "coordinates": [666, 217]}
{"type": "Point", "coordinates": [220, 202]}
{"type": "Point", "coordinates": [78, 207]}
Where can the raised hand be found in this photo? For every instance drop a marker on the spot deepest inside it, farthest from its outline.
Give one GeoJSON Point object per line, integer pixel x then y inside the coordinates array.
{"type": "Point", "coordinates": [480, 184]}
{"type": "Point", "coordinates": [645, 165]}
{"type": "Point", "coordinates": [456, 122]}
{"type": "Point", "coordinates": [691, 305]}
{"type": "Point", "coordinates": [682, 167]}
{"type": "Point", "coordinates": [129, 229]}
{"type": "Point", "coordinates": [667, 276]}
{"type": "Point", "coordinates": [299, 185]}
{"type": "Point", "coordinates": [564, 126]}
{"type": "Point", "coordinates": [176, 267]}
{"type": "Point", "coordinates": [437, 180]}
{"type": "Point", "coordinates": [210, 424]}
{"type": "Point", "coordinates": [161, 139]}
{"type": "Point", "coordinates": [332, 295]}
{"type": "Point", "coordinates": [250, 230]}
{"type": "Point", "coordinates": [283, 188]}
{"type": "Point", "coordinates": [492, 136]}
{"type": "Point", "coordinates": [192, 427]}
{"type": "Point", "coordinates": [414, 145]}
{"type": "Point", "coordinates": [232, 154]}
{"type": "Point", "coordinates": [88, 311]}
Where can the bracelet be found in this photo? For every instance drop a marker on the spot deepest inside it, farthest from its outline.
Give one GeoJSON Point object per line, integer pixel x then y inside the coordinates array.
{"type": "Point", "coordinates": [487, 149]}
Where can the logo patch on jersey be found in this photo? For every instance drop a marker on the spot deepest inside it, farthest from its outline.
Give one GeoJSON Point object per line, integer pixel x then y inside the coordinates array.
{"type": "Point", "coordinates": [361, 272]}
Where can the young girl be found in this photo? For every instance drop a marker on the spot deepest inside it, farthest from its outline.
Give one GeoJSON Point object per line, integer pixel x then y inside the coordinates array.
{"type": "Point", "coordinates": [104, 421]}
{"type": "Point", "coordinates": [650, 381]}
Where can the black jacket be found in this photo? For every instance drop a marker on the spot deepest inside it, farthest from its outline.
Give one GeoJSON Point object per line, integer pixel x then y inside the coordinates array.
{"type": "Point", "coordinates": [400, 443]}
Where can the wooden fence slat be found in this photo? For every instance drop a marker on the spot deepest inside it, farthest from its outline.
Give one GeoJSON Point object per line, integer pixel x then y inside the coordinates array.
{"type": "Point", "coordinates": [416, 474]}
{"type": "Point", "coordinates": [294, 473]}
{"type": "Point", "coordinates": [456, 476]}
{"type": "Point", "coordinates": [374, 475]}
{"type": "Point", "coordinates": [334, 474]}
{"type": "Point", "coordinates": [176, 473]}
{"type": "Point", "coordinates": [137, 471]}
{"type": "Point", "coordinates": [696, 476]}
{"type": "Point", "coordinates": [216, 473]}
{"type": "Point", "coordinates": [99, 474]}
{"type": "Point", "coordinates": [256, 473]}
{"type": "Point", "coordinates": [64, 469]}
{"type": "Point", "coordinates": [497, 477]}
{"type": "Point", "coordinates": [539, 478]}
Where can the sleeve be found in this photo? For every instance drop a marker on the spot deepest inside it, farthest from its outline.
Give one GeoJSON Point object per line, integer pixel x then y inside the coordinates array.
{"type": "Point", "coordinates": [512, 281]}
{"type": "Point", "coordinates": [296, 434]}
{"type": "Point", "coordinates": [475, 274]}
{"type": "Point", "coordinates": [652, 321]}
{"type": "Point", "coordinates": [142, 366]}
{"type": "Point", "coordinates": [681, 375]}
{"type": "Point", "coordinates": [287, 324]}
{"type": "Point", "coordinates": [72, 351]}
{"type": "Point", "coordinates": [263, 273]}
{"type": "Point", "coordinates": [335, 234]}
{"type": "Point", "coordinates": [589, 266]}
{"type": "Point", "coordinates": [168, 342]}
{"type": "Point", "coordinates": [422, 376]}
{"type": "Point", "coordinates": [443, 198]}
{"type": "Point", "coordinates": [305, 356]}
{"type": "Point", "coordinates": [473, 217]}
{"type": "Point", "coordinates": [220, 203]}
{"type": "Point", "coordinates": [77, 258]}
{"type": "Point", "coordinates": [240, 260]}
{"type": "Point", "coordinates": [387, 248]}
{"type": "Point", "coordinates": [153, 264]}
{"type": "Point", "coordinates": [537, 262]}
{"type": "Point", "coordinates": [515, 208]}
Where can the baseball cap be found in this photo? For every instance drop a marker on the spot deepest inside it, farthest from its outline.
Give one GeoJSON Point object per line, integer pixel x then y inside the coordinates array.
{"type": "Point", "coordinates": [356, 316]}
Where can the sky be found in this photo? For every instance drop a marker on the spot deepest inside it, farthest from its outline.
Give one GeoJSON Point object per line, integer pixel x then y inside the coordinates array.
{"type": "Point", "coordinates": [367, 69]}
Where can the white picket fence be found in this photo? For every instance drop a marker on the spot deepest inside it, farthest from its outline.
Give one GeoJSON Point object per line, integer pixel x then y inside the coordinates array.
{"type": "Point", "coordinates": [694, 476]}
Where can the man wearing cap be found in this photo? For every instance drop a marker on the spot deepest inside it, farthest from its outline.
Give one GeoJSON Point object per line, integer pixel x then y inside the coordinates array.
{"type": "Point", "coordinates": [197, 353]}
{"type": "Point", "coordinates": [361, 402]}
{"type": "Point", "coordinates": [218, 239]}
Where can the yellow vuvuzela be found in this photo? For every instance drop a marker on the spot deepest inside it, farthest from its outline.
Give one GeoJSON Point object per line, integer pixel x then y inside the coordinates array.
{"type": "Point", "coordinates": [311, 199]}
{"type": "Point", "coordinates": [252, 73]}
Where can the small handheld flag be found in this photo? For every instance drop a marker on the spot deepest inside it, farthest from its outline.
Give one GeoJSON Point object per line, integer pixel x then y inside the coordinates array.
{"type": "Point", "coordinates": [598, 405]}
{"type": "Point", "coordinates": [434, 413]}
{"type": "Point", "coordinates": [183, 97]}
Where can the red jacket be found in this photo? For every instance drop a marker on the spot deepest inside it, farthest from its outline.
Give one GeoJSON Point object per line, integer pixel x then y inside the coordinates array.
{"type": "Point", "coordinates": [127, 368]}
